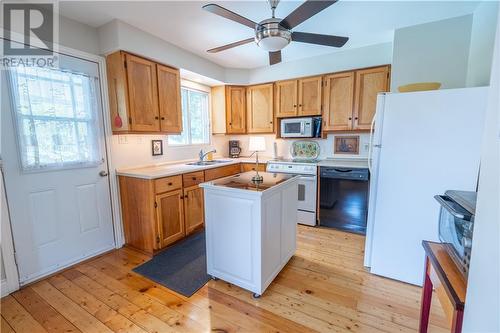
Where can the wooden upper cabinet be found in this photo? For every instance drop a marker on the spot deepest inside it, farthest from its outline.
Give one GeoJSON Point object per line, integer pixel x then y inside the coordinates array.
{"type": "Point", "coordinates": [286, 98]}
{"type": "Point", "coordinates": [118, 92]}
{"type": "Point", "coordinates": [338, 101]}
{"type": "Point", "coordinates": [260, 109]}
{"type": "Point", "coordinates": [369, 82]}
{"type": "Point", "coordinates": [169, 98]}
{"type": "Point", "coordinates": [194, 214]}
{"type": "Point", "coordinates": [170, 217]}
{"type": "Point", "coordinates": [309, 96]}
{"type": "Point", "coordinates": [143, 94]}
{"type": "Point", "coordinates": [218, 97]}
{"type": "Point", "coordinates": [235, 110]}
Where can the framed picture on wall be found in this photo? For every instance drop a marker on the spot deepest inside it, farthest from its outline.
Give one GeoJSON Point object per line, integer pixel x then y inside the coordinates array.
{"type": "Point", "coordinates": [157, 147]}
{"type": "Point", "coordinates": [346, 145]}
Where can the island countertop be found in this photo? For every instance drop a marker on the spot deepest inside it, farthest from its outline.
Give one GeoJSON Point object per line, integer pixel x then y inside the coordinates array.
{"type": "Point", "coordinates": [243, 181]}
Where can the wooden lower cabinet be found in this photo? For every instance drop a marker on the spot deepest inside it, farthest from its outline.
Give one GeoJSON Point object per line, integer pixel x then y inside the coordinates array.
{"type": "Point", "coordinates": [170, 217]}
{"type": "Point", "coordinates": [221, 172]}
{"type": "Point", "coordinates": [251, 167]}
{"type": "Point", "coordinates": [194, 214]}
{"type": "Point", "coordinates": [158, 212]}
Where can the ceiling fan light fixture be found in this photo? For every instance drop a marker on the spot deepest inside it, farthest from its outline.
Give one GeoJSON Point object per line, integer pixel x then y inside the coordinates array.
{"type": "Point", "coordinates": [271, 36]}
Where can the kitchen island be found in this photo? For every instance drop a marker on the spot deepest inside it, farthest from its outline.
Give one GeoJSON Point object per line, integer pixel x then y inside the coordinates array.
{"type": "Point", "coordinates": [250, 228]}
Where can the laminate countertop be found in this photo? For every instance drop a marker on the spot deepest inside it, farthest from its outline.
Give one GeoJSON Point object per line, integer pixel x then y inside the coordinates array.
{"type": "Point", "coordinates": [181, 167]}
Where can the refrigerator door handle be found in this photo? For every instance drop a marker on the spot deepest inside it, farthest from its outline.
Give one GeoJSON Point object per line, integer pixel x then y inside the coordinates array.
{"type": "Point", "coordinates": [370, 148]}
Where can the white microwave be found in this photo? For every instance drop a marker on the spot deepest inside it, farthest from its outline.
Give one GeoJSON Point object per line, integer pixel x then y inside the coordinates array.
{"type": "Point", "coordinates": [297, 127]}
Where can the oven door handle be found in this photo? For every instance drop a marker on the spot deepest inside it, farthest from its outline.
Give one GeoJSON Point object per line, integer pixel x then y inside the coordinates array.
{"type": "Point", "coordinates": [445, 204]}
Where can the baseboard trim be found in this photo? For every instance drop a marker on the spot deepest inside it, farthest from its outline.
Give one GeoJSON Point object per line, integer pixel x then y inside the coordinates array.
{"type": "Point", "coordinates": [4, 288]}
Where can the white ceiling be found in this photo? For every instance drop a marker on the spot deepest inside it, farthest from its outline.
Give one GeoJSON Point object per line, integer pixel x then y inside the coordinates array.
{"type": "Point", "coordinates": [186, 25]}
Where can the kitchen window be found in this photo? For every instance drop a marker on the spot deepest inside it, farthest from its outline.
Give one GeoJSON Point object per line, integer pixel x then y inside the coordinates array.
{"type": "Point", "coordinates": [56, 116]}
{"type": "Point", "coordinates": [195, 119]}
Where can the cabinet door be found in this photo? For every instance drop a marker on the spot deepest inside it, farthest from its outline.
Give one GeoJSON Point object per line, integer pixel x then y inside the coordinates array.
{"type": "Point", "coordinates": [142, 94]}
{"type": "Point", "coordinates": [218, 97]}
{"type": "Point", "coordinates": [286, 98]}
{"type": "Point", "coordinates": [369, 82]}
{"type": "Point", "coordinates": [260, 109]}
{"type": "Point", "coordinates": [117, 90]}
{"type": "Point", "coordinates": [169, 98]}
{"type": "Point", "coordinates": [170, 213]}
{"type": "Point", "coordinates": [235, 110]}
{"type": "Point", "coordinates": [194, 215]}
{"type": "Point", "coordinates": [310, 96]}
{"type": "Point", "coordinates": [339, 100]}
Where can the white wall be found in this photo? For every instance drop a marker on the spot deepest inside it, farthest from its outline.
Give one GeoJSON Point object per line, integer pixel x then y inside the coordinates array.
{"type": "Point", "coordinates": [326, 145]}
{"type": "Point", "coordinates": [78, 36]}
{"type": "Point", "coordinates": [117, 35]}
{"type": "Point", "coordinates": [373, 55]}
{"type": "Point", "coordinates": [482, 44]}
{"type": "Point", "coordinates": [482, 306]}
{"type": "Point", "coordinates": [436, 51]}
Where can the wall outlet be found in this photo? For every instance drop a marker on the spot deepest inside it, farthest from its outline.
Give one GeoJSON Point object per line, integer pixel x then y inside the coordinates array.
{"type": "Point", "coordinates": [122, 139]}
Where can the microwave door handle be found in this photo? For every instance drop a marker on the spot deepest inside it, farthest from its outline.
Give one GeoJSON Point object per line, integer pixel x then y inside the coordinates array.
{"type": "Point", "coordinates": [450, 209]}
{"type": "Point", "coordinates": [302, 127]}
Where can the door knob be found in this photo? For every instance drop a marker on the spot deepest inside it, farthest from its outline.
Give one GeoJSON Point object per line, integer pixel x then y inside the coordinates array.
{"type": "Point", "coordinates": [103, 173]}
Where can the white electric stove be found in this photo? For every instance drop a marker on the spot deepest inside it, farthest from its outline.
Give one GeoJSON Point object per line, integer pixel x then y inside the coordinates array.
{"type": "Point", "coordinates": [308, 184]}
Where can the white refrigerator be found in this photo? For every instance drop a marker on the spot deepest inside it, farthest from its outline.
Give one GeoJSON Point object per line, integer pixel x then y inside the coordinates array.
{"type": "Point", "coordinates": [423, 144]}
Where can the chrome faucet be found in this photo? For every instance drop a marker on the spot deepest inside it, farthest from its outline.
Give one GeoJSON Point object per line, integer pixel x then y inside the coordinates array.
{"type": "Point", "coordinates": [202, 155]}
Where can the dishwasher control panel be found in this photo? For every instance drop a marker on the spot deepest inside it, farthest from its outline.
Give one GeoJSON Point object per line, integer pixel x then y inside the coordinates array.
{"type": "Point", "coordinates": [345, 173]}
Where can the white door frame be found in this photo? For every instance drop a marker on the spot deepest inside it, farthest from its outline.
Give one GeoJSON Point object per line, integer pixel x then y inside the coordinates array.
{"type": "Point", "coordinates": [11, 282]}
{"type": "Point", "coordinates": [113, 184]}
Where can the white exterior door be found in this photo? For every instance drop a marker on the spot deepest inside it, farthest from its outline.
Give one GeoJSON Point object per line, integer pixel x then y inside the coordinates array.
{"type": "Point", "coordinates": [54, 157]}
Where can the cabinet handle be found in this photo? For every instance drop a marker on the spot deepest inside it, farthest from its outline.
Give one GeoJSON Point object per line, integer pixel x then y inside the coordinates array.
{"type": "Point", "coordinates": [300, 105]}
{"type": "Point", "coordinates": [350, 118]}
{"type": "Point", "coordinates": [156, 118]}
{"type": "Point", "coordinates": [162, 118]}
{"type": "Point", "coordinates": [295, 105]}
{"type": "Point", "coordinates": [270, 122]}
{"type": "Point", "coordinates": [169, 184]}
{"type": "Point", "coordinates": [194, 178]}
{"type": "Point", "coordinates": [355, 118]}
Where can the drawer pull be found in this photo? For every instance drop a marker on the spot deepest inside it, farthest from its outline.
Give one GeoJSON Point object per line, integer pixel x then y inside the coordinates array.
{"type": "Point", "coordinates": [194, 178]}
{"type": "Point", "coordinates": [169, 184]}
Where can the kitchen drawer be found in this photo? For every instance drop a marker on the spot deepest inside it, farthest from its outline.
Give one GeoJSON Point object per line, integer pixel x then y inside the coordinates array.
{"type": "Point", "coordinates": [224, 171]}
{"type": "Point", "coordinates": [193, 178]}
{"type": "Point", "coordinates": [251, 167]}
{"type": "Point", "coordinates": [168, 184]}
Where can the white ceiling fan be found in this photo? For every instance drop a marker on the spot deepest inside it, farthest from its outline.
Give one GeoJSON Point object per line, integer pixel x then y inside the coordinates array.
{"type": "Point", "coordinates": [273, 34]}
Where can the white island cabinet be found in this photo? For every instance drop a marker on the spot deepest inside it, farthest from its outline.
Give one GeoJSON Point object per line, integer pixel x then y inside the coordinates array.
{"type": "Point", "coordinates": [250, 228]}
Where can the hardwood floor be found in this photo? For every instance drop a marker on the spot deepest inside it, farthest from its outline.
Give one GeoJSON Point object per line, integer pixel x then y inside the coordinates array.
{"type": "Point", "coordinates": [324, 288]}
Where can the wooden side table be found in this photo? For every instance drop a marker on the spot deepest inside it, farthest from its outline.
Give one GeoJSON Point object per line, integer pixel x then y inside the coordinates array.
{"type": "Point", "coordinates": [443, 275]}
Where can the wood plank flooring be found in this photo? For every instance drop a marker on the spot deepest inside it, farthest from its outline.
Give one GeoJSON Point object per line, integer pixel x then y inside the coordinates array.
{"type": "Point", "coordinates": [324, 288]}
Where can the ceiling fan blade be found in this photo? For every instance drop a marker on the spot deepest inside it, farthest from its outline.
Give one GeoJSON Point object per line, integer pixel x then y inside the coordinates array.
{"type": "Point", "coordinates": [274, 57]}
{"type": "Point", "coordinates": [305, 11]}
{"type": "Point", "coordinates": [229, 46]}
{"type": "Point", "coordinates": [226, 13]}
{"type": "Point", "coordinates": [327, 40]}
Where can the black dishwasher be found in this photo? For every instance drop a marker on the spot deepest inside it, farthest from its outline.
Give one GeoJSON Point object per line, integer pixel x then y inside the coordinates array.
{"type": "Point", "coordinates": [344, 198]}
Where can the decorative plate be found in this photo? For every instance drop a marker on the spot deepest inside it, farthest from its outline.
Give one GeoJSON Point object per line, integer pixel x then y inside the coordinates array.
{"type": "Point", "coordinates": [304, 150]}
